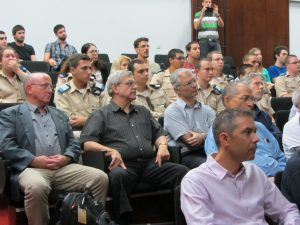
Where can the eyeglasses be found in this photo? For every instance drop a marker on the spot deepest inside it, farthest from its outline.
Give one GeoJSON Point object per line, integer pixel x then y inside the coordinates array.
{"type": "Point", "coordinates": [218, 59]}
{"type": "Point", "coordinates": [247, 99]}
{"type": "Point", "coordinates": [94, 51]}
{"type": "Point", "coordinates": [129, 83]}
{"type": "Point", "coordinates": [44, 86]}
{"type": "Point", "coordinates": [191, 82]}
{"type": "Point", "coordinates": [297, 62]}
{"type": "Point", "coordinates": [180, 58]}
{"type": "Point", "coordinates": [3, 38]}
{"type": "Point", "coordinates": [144, 46]}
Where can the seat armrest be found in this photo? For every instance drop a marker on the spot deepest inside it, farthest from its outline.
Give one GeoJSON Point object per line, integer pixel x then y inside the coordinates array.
{"type": "Point", "coordinates": [94, 159]}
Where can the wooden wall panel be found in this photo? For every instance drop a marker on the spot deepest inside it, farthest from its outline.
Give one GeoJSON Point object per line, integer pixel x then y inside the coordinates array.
{"type": "Point", "coordinates": [252, 23]}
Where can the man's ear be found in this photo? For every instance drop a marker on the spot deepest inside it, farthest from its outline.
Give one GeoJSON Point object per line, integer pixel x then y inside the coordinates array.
{"type": "Point", "coordinates": [224, 138]}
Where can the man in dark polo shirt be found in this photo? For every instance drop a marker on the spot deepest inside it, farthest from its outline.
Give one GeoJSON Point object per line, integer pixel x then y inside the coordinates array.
{"type": "Point", "coordinates": [127, 133]}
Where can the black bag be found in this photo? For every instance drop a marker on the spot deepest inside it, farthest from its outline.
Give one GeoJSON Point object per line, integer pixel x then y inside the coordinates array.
{"type": "Point", "coordinates": [81, 208]}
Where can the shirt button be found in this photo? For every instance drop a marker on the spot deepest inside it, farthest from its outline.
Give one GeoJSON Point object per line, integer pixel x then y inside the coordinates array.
{"type": "Point", "coordinates": [132, 125]}
{"type": "Point", "coordinates": [137, 136]}
{"type": "Point", "coordinates": [141, 149]}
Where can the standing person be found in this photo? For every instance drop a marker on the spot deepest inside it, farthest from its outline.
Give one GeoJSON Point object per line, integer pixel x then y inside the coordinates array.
{"type": "Point", "coordinates": [207, 23]}
{"type": "Point", "coordinates": [39, 142]}
{"type": "Point", "coordinates": [57, 51]}
{"type": "Point", "coordinates": [11, 77]}
{"type": "Point", "coordinates": [141, 47]}
{"type": "Point", "coordinates": [25, 51]}
{"type": "Point", "coordinates": [3, 39]}
{"type": "Point", "coordinates": [99, 68]}
{"type": "Point", "coordinates": [279, 54]}
{"type": "Point", "coordinates": [127, 133]}
{"type": "Point", "coordinates": [224, 189]}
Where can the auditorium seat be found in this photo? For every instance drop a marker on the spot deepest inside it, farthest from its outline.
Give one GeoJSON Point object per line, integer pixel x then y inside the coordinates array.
{"type": "Point", "coordinates": [130, 55]}
{"type": "Point", "coordinates": [36, 66]}
{"type": "Point", "coordinates": [162, 60]}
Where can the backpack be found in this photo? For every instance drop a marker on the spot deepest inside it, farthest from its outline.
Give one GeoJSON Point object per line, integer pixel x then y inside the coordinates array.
{"type": "Point", "coordinates": [81, 208]}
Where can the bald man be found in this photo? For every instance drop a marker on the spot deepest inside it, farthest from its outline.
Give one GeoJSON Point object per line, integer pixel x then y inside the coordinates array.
{"type": "Point", "coordinates": [40, 144]}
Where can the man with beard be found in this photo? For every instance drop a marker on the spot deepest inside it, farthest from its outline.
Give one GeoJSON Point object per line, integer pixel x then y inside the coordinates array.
{"type": "Point", "coordinates": [25, 51]}
{"type": "Point", "coordinates": [193, 55]}
{"type": "Point", "coordinates": [57, 51]}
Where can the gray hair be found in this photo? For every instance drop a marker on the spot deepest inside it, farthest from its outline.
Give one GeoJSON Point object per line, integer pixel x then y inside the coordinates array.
{"type": "Point", "coordinates": [249, 77]}
{"type": "Point", "coordinates": [296, 98]}
{"type": "Point", "coordinates": [232, 89]}
{"type": "Point", "coordinates": [225, 121]}
{"type": "Point", "coordinates": [175, 76]}
{"type": "Point", "coordinates": [115, 79]}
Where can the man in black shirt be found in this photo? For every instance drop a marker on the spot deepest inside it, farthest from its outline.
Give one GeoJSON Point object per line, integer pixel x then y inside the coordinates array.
{"type": "Point", "coordinates": [25, 51]}
{"type": "Point", "coordinates": [127, 133]}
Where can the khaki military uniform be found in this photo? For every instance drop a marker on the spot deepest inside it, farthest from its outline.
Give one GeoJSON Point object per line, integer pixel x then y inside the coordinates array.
{"type": "Point", "coordinates": [11, 91]}
{"type": "Point", "coordinates": [211, 98]}
{"type": "Point", "coordinates": [220, 81]}
{"type": "Point", "coordinates": [78, 102]}
{"type": "Point", "coordinates": [286, 84]}
{"type": "Point", "coordinates": [153, 99]}
{"type": "Point", "coordinates": [152, 69]}
{"type": "Point", "coordinates": [61, 80]}
{"type": "Point", "coordinates": [265, 104]}
{"type": "Point", "coordinates": [163, 79]}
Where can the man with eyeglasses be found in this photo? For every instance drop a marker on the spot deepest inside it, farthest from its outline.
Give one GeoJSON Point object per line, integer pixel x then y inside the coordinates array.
{"type": "Point", "coordinates": [39, 142]}
{"type": "Point", "coordinates": [219, 78]}
{"type": "Point", "coordinates": [127, 133]}
{"type": "Point", "coordinates": [162, 79]}
{"type": "Point", "coordinates": [268, 155]}
{"type": "Point", "coordinates": [186, 120]}
{"type": "Point", "coordinates": [288, 82]}
{"type": "Point", "coordinates": [78, 97]}
{"type": "Point", "coordinates": [151, 96]}
{"type": "Point", "coordinates": [208, 94]}
{"type": "Point", "coordinates": [141, 46]}
{"type": "Point", "coordinates": [3, 39]}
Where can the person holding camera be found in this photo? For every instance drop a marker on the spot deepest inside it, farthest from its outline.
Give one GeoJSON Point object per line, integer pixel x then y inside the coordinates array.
{"type": "Point", "coordinates": [79, 96]}
{"type": "Point", "coordinates": [206, 22]}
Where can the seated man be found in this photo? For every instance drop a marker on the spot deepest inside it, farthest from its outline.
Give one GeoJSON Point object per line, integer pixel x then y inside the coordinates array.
{"type": "Point", "coordinates": [291, 130]}
{"type": "Point", "coordinates": [243, 70]}
{"type": "Point", "coordinates": [152, 97]}
{"type": "Point", "coordinates": [187, 121]}
{"type": "Point", "coordinates": [268, 155]}
{"type": "Point", "coordinates": [78, 97]}
{"type": "Point", "coordinates": [38, 141]}
{"type": "Point", "coordinates": [224, 190]}
{"type": "Point", "coordinates": [127, 133]}
{"type": "Point", "coordinates": [208, 94]}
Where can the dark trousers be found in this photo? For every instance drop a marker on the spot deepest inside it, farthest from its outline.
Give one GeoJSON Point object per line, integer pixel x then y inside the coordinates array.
{"type": "Point", "coordinates": [193, 159]}
{"type": "Point", "coordinates": [122, 182]}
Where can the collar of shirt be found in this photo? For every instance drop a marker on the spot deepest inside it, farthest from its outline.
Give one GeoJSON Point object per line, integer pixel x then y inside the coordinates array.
{"type": "Point", "coordinates": [210, 89]}
{"type": "Point", "coordinates": [116, 108]}
{"type": "Point", "coordinates": [57, 42]}
{"type": "Point", "coordinates": [34, 108]}
{"type": "Point", "coordinates": [183, 105]}
{"type": "Point", "coordinates": [219, 170]}
{"type": "Point", "coordinates": [74, 88]}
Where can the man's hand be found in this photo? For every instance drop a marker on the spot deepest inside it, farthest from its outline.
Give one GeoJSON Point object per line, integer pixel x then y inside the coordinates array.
{"type": "Point", "coordinates": [195, 139]}
{"type": "Point", "coordinates": [116, 160]}
{"type": "Point", "coordinates": [52, 162]}
{"type": "Point", "coordinates": [77, 121]}
{"type": "Point", "coordinates": [162, 154]}
{"type": "Point", "coordinates": [52, 62]}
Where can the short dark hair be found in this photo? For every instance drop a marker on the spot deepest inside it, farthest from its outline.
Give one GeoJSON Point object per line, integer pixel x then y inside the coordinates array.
{"type": "Point", "coordinates": [17, 28]}
{"type": "Point", "coordinates": [58, 27]}
{"type": "Point", "coordinates": [74, 60]}
{"type": "Point", "coordinates": [86, 47]}
{"type": "Point", "coordinates": [225, 121]}
{"type": "Point", "coordinates": [172, 53]}
{"type": "Point", "coordinates": [137, 41]}
{"type": "Point", "coordinates": [242, 68]}
{"type": "Point", "coordinates": [189, 45]}
{"type": "Point", "coordinates": [2, 32]}
{"type": "Point", "coordinates": [278, 49]}
{"type": "Point", "coordinates": [130, 66]}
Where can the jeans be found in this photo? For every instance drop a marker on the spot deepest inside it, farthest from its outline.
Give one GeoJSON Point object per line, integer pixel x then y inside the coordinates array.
{"type": "Point", "coordinates": [207, 45]}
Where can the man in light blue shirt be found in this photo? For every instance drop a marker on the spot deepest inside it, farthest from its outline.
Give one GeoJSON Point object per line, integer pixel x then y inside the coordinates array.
{"type": "Point", "coordinates": [186, 120]}
{"type": "Point", "coordinates": [268, 155]}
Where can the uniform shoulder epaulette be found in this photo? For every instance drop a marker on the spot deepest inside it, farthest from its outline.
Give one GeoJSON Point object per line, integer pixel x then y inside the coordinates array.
{"type": "Point", "coordinates": [283, 74]}
{"type": "Point", "coordinates": [229, 78]}
{"type": "Point", "coordinates": [217, 90]}
{"type": "Point", "coordinates": [155, 86]}
{"type": "Point", "coordinates": [62, 89]}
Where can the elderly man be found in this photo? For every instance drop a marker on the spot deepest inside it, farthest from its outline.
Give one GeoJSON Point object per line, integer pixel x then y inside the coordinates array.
{"type": "Point", "coordinates": [151, 96]}
{"type": "Point", "coordinates": [127, 133]}
{"type": "Point", "coordinates": [268, 155]}
{"type": "Point", "coordinates": [176, 60]}
{"type": "Point", "coordinates": [187, 121]}
{"type": "Point", "coordinates": [141, 48]}
{"type": "Point", "coordinates": [208, 94]}
{"type": "Point", "coordinates": [39, 142]}
{"type": "Point", "coordinates": [288, 82]}
{"type": "Point", "coordinates": [224, 190]}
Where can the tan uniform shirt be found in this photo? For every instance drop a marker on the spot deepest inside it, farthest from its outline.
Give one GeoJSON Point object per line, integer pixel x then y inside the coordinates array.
{"type": "Point", "coordinates": [163, 79]}
{"type": "Point", "coordinates": [286, 84]}
{"type": "Point", "coordinates": [210, 98]}
{"type": "Point", "coordinates": [154, 100]}
{"type": "Point", "coordinates": [265, 104]}
{"type": "Point", "coordinates": [220, 81]}
{"type": "Point", "coordinates": [152, 69]}
{"type": "Point", "coordinates": [11, 91]}
{"type": "Point", "coordinates": [62, 80]}
{"type": "Point", "coordinates": [75, 101]}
